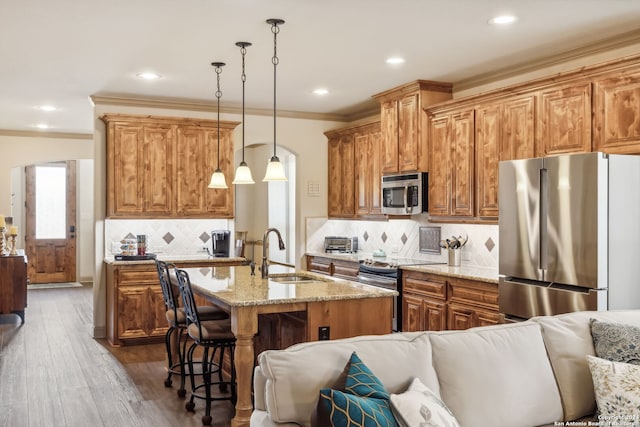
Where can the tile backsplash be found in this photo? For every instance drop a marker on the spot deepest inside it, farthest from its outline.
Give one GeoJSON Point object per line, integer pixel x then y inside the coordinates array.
{"type": "Point", "coordinates": [172, 237]}
{"type": "Point", "coordinates": [400, 238]}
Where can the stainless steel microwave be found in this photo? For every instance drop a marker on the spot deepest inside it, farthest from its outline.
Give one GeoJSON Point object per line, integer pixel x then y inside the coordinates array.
{"type": "Point", "coordinates": [404, 194]}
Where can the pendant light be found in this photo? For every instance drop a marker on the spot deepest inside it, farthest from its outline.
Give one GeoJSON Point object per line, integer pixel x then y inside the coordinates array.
{"type": "Point", "coordinates": [217, 179]}
{"type": "Point", "coordinates": [243, 173]}
{"type": "Point", "coordinates": [275, 170]}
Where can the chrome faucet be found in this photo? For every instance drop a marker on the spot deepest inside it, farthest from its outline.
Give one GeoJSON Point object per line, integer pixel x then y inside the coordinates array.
{"type": "Point", "coordinates": [265, 250]}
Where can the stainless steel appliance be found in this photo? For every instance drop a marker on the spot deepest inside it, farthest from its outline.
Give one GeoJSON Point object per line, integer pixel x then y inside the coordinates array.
{"type": "Point", "coordinates": [336, 244]}
{"type": "Point", "coordinates": [568, 230]}
{"type": "Point", "coordinates": [387, 274]}
{"type": "Point", "coordinates": [404, 194]}
{"type": "Point", "coordinates": [220, 243]}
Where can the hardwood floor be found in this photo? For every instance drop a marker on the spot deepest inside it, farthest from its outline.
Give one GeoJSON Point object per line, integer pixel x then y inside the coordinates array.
{"type": "Point", "coordinates": [53, 373]}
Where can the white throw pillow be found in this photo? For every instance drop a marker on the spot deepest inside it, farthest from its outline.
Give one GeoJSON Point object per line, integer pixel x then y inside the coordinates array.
{"type": "Point", "coordinates": [616, 385]}
{"type": "Point", "coordinates": [419, 406]}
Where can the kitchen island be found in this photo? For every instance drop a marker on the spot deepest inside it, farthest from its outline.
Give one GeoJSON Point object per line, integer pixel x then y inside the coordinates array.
{"type": "Point", "coordinates": [331, 309]}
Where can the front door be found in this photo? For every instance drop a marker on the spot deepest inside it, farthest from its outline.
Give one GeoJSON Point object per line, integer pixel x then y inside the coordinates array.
{"type": "Point", "coordinates": [51, 222]}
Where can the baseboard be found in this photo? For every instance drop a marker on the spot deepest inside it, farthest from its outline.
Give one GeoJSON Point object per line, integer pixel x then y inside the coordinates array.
{"type": "Point", "coordinates": [99, 331]}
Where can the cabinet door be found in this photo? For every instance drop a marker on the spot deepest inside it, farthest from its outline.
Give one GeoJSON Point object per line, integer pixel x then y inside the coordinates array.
{"type": "Point", "coordinates": [460, 317]}
{"type": "Point", "coordinates": [374, 175]}
{"type": "Point", "coordinates": [617, 114]}
{"type": "Point", "coordinates": [334, 192]}
{"type": "Point", "coordinates": [487, 318]}
{"type": "Point", "coordinates": [434, 315]}
{"type": "Point", "coordinates": [518, 139]}
{"type": "Point", "coordinates": [133, 309]}
{"type": "Point", "coordinates": [412, 319]}
{"type": "Point", "coordinates": [408, 132]}
{"type": "Point", "coordinates": [439, 166]}
{"type": "Point", "coordinates": [125, 182]}
{"type": "Point", "coordinates": [389, 122]}
{"type": "Point", "coordinates": [219, 201]}
{"type": "Point", "coordinates": [368, 176]}
{"type": "Point", "coordinates": [565, 120]}
{"type": "Point", "coordinates": [192, 166]}
{"type": "Point", "coordinates": [157, 313]}
{"type": "Point", "coordinates": [157, 157]}
{"type": "Point", "coordinates": [347, 176]}
{"type": "Point", "coordinates": [462, 125]}
{"type": "Point", "coordinates": [489, 125]}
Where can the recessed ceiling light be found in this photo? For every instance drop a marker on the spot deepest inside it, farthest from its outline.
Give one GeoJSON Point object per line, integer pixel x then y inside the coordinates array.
{"type": "Point", "coordinates": [149, 76]}
{"type": "Point", "coordinates": [395, 60]}
{"type": "Point", "coordinates": [503, 20]}
{"type": "Point", "coordinates": [320, 91]}
{"type": "Point", "coordinates": [42, 126]}
{"type": "Point", "coordinates": [47, 108]}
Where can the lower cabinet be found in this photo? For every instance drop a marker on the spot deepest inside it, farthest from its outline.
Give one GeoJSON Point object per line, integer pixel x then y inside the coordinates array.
{"type": "Point", "coordinates": [333, 267]}
{"type": "Point", "coordinates": [135, 305]}
{"type": "Point", "coordinates": [432, 302]}
{"type": "Point", "coordinates": [13, 286]}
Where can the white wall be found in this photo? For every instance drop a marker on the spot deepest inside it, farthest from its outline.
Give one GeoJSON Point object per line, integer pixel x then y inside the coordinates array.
{"type": "Point", "coordinates": [20, 151]}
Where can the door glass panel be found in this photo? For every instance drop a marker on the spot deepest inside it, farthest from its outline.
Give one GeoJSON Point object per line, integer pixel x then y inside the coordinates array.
{"type": "Point", "coordinates": [51, 214]}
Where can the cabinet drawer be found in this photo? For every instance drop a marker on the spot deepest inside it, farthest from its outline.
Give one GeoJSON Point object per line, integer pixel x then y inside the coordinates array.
{"type": "Point", "coordinates": [424, 284]}
{"type": "Point", "coordinates": [319, 265]}
{"type": "Point", "coordinates": [127, 276]}
{"type": "Point", "coordinates": [479, 294]}
{"type": "Point", "coordinates": [345, 269]}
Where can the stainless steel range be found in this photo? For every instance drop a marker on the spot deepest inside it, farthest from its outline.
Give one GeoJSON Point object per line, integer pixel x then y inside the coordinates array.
{"type": "Point", "coordinates": [385, 273]}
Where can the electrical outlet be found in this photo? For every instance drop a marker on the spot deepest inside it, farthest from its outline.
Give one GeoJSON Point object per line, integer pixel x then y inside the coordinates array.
{"type": "Point", "coordinates": [323, 333]}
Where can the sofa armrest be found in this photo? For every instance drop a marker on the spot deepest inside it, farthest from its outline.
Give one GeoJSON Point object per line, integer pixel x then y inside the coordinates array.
{"type": "Point", "coordinates": [259, 384]}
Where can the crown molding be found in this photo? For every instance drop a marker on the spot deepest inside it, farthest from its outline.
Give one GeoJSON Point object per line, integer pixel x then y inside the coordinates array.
{"type": "Point", "coordinates": [620, 41]}
{"type": "Point", "coordinates": [195, 105]}
{"type": "Point", "coordinates": [40, 134]}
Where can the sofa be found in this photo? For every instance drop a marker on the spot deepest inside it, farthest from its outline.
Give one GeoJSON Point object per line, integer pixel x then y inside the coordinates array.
{"type": "Point", "coordinates": [526, 374]}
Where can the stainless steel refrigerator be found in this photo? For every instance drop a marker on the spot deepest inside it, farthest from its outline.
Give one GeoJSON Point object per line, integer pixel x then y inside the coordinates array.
{"type": "Point", "coordinates": [569, 234]}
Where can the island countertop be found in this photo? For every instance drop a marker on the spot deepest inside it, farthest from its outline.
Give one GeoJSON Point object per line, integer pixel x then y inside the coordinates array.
{"type": "Point", "coordinates": [199, 258]}
{"type": "Point", "coordinates": [235, 286]}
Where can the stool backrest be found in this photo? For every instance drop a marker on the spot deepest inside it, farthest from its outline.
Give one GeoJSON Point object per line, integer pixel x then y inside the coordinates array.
{"type": "Point", "coordinates": [188, 300]}
{"type": "Point", "coordinates": [170, 300]}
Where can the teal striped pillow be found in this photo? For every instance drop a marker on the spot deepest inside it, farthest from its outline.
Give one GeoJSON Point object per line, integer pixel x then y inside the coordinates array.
{"type": "Point", "coordinates": [365, 402]}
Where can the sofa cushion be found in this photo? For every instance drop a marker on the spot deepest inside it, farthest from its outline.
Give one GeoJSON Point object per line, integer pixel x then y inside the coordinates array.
{"type": "Point", "coordinates": [568, 340]}
{"type": "Point", "coordinates": [615, 341]}
{"type": "Point", "coordinates": [498, 376]}
{"type": "Point", "coordinates": [294, 376]}
{"type": "Point", "coordinates": [616, 386]}
{"type": "Point", "coordinates": [419, 406]}
{"type": "Point", "coordinates": [364, 402]}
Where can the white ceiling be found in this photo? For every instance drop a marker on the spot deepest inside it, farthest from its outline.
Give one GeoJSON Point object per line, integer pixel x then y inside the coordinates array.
{"type": "Point", "coordinates": [62, 52]}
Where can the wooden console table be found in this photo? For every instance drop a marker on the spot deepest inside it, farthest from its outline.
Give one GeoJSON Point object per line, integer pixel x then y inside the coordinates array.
{"type": "Point", "coordinates": [13, 285]}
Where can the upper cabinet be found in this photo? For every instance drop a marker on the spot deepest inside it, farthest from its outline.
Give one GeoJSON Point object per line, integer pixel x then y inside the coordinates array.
{"type": "Point", "coordinates": [354, 177]}
{"type": "Point", "coordinates": [159, 167]}
{"type": "Point", "coordinates": [404, 126]}
{"type": "Point", "coordinates": [565, 119]}
{"type": "Point", "coordinates": [616, 105]}
{"type": "Point", "coordinates": [451, 175]}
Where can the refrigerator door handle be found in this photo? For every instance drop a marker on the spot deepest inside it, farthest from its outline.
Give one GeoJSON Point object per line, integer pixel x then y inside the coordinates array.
{"type": "Point", "coordinates": [543, 212]}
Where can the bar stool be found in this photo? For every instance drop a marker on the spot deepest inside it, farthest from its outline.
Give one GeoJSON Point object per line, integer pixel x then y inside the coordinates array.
{"type": "Point", "coordinates": [211, 335]}
{"type": "Point", "coordinates": [177, 321]}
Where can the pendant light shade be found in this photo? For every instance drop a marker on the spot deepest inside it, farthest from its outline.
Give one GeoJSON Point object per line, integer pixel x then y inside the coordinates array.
{"type": "Point", "coordinates": [275, 170]}
{"type": "Point", "coordinates": [243, 173]}
{"type": "Point", "coordinates": [217, 179]}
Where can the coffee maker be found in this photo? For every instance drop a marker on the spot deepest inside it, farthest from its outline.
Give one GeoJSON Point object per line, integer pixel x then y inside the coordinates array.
{"type": "Point", "coordinates": [220, 242]}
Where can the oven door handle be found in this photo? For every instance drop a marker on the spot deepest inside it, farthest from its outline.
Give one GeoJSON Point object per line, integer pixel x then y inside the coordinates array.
{"type": "Point", "coordinates": [382, 283]}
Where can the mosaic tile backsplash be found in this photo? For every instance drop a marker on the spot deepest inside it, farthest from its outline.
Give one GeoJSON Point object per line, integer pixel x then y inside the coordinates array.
{"type": "Point", "coordinates": [171, 237]}
{"type": "Point", "coordinates": [400, 238]}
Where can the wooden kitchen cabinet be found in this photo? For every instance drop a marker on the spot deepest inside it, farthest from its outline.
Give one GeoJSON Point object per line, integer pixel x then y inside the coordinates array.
{"type": "Point", "coordinates": [565, 119]}
{"type": "Point", "coordinates": [423, 302]}
{"type": "Point", "coordinates": [13, 285]}
{"type": "Point", "coordinates": [403, 124]}
{"type": "Point", "coordinates": [159, 167]}
{"type": "Point", "coordinates": [503, 131]}
{"type": "Point", "coordinates": [616, 105]}
{"type": "Point", "coordinates": [368, 178]}
{"type": "Point", "coordinates": [451, 176]}
{"type": "Point", "coordinates": [432, 302]}
{"type": "Point", "coordinates": [341, 179]}
{"type": "Point", "coordinates": [333, 267]}
{"type": "Point", "coordinates": [354, 176]}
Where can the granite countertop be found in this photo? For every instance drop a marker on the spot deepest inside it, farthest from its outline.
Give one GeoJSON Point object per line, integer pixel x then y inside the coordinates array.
{"type": "Point", "coordinates": [182, 259]}
{"type": "Point", "coordinates": [235, 286]}
{"type": "Point", "coordinates": [483, 274]}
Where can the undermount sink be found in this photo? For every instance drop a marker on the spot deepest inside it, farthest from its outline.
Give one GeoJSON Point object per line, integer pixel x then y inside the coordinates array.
{"type": "Point", "coordinates": [295, 278]}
